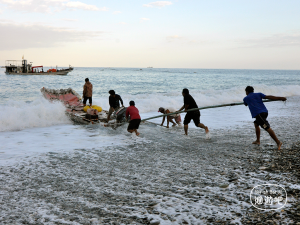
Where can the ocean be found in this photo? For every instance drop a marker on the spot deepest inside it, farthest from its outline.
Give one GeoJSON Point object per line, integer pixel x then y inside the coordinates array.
{"type": "Point", "coordinates": [25, 114]}
{"type": "Point", "coordinates": [50, 166]}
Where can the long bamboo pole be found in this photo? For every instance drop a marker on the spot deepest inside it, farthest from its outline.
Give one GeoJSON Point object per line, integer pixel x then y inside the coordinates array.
{"type": "Point", "coordinates": [207, 107]}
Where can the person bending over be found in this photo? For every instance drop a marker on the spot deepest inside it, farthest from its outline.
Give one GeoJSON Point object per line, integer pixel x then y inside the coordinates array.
{"type": "Point", "coordinates": [260, 113]}
{"type": "Point", "coordinates": [170, 118]}
{"type": "Point", "coordinates": [135, 118]}
{"type": "Point", "coordinates": [114, 102]}
{"type": "Point", "coordinates": [189, 103]}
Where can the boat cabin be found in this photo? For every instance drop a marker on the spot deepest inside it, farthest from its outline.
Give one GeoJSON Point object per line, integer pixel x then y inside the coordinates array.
{"type": "Point", "coordinates": [17, 66]}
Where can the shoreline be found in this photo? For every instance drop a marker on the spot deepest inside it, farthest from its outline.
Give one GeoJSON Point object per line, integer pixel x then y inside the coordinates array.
{"type": "Point", "coordinates": [163, 177]}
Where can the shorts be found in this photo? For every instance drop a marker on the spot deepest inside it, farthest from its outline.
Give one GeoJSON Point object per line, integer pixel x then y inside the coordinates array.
{"type": "Point", "coordinates": [176, 118]}
{"type": "Point", "coordinates": [261, 120]}
{"type": "Point", "coordinates": [111, 110]}
{"type": "Point", "coordinates": [134, 124]}
{"type": "Point", "coordinates": [87, 98]}
{"type": "Point", "coordinates": [192, 115]}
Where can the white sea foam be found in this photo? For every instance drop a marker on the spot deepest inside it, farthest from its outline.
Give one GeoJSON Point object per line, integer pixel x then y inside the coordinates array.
{"type": "Point", "coordinates": [42, 113]}
{"type": "Point", "coordinates": [18, 115]}
{"type": "Point", "coordinates": [151, 102]}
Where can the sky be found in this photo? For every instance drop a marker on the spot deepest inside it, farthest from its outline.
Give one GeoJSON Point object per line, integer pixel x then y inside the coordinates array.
{"type": "Point", "coordinates": [216, 34]}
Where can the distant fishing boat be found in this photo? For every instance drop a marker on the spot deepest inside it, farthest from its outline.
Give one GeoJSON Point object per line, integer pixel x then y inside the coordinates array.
{"type": "Point", "coordinates": [21, 67]}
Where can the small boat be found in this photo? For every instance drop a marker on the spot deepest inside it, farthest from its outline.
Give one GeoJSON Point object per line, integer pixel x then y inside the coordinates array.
{"type": "Point", "coordinates": [68, 69]}
{"type": "Point", "coordinates": [21, 67]}
{"type": "Point", "coordinates": [75, 108]}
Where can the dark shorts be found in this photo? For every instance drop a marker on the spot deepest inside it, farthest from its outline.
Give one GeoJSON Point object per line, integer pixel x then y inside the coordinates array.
{"type": "Point", "coordinates": [134, 124]}
{"type": "Point", "coordinates": [87, 98]}
{"type": "Point", "coordinates": [195, 116]}
{"type": "Point", "coordinates": [261, 120]}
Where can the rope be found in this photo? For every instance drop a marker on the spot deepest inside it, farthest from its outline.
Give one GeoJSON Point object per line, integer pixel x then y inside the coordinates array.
{"type": "Point", "coordinates": [207, 107]}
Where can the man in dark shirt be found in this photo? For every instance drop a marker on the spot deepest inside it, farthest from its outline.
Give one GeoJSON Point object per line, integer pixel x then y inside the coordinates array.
{"type": "Point", "coordinates": [189, 103]}
{"type": "Point", "coordinates": [114, 103]}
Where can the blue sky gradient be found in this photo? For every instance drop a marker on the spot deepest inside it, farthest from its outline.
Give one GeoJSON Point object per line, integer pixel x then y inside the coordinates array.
{"type": "Point", "coordinates": [138, 33]}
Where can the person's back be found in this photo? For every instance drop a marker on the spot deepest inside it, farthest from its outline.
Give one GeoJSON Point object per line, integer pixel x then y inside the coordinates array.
{"type": "Point", "coordinates": [190, 101]}
{"type": "Point", "coordinates": [114, 101]}
{"type": "Point", "coordinates": [88, 89]}
{"type": "Point", "coordinates": [170, 109]}
{"type": "Point", "coordinates": [255, 103]}
{"type": "Point", "coordinates": [133, 112]}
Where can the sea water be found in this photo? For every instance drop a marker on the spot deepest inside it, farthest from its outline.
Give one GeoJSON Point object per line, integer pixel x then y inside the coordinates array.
{"type": "Point", "coordinates": [31, 125]}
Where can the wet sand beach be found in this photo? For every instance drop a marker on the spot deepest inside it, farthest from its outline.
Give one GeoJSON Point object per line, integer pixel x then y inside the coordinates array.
{"type": "Point", "coordinates": [162, 177]}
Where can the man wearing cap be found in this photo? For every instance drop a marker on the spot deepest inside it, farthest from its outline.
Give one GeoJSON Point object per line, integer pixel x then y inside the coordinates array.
{"type": "Point", "coordinates": [135, 118]}
{"type": "Point", "coordinates": [189, 103]}
{"type": "Point", "coordinates": [170, 118]}
{"type": "Point", "coordinates": [87, 92]}
{"type": "Point", "coordinates": [114, 102]}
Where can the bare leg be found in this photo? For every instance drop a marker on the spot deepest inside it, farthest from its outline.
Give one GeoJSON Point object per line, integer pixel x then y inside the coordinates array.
{"type": "Point", "coordinates": [186, 127]}
{"type": "Point", "coordinates": [273, 135]}
{"type": "Point", "coordinates": [111, 110]}
{"type": "Point", "coordinates": [108, 117]}
{"type": "Point", "coordinates": [201, 125]}
{"type": "Point", "coordinates": [257, 131]}
{"type": "Point", "coordinates": [171, 120]}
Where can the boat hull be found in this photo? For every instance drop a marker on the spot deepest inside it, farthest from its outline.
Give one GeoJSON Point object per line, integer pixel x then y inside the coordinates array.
{"type": "Point", "coordinates": [42, 74]}
{"type": "Point", "coordinates": [74, 108]}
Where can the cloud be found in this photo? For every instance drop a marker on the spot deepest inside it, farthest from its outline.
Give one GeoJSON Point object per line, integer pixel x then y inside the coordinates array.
{"type": "Point", "coordinates": [158, 4]}
{"type": "Point", "coordinates": [276, 40]}
{"type": "Point", "coordinates": [174, 38]}
{"type": "Point", "coordinates": [69, 20]}
{"type": "Point", "coordinates": [144, 19]}
{"type": "Point", "coordinates": [47, 6]}
{"type": "Point", "coordinates": [39, 36]}
{"type": "Point", "coordinates": [123, 23]}
{"type": "Point", "coordinates": [116, 12]}
{"type": "Point", "coordinates": [83, 6]}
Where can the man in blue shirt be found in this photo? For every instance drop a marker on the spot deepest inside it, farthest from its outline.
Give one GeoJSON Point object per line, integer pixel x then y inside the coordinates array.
{"type": "Point", "coordinates": [260, 113]}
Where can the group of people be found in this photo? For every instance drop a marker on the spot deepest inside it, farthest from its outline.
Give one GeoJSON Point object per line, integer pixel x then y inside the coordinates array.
{"type": "Point", "coordinates": [252, 100]}
{"type": "Point", "coordinates": [114, 103]}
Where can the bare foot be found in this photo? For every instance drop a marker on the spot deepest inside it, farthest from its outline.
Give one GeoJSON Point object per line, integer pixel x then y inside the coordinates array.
{"type": "Point", "coordinates": [206, 130]}
{"type": "Point", "coordinates": [279, 146]}
{"type": "Point", "coordinates": [137, 133]}
{"type": "Point", "coordinates": [256, 143]}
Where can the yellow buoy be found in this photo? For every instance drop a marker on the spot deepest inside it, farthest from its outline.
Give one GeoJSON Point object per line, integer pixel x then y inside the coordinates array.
{"type": "Point", "coordinates": [93, 106]}
{"type": "Point", "coordinates": [86, 108]}
{"type": "Point", "coordinates": [97, 107]}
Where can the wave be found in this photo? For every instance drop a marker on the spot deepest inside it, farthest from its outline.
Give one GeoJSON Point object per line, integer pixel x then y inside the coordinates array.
{"type": "Point", "coordinates": [18, 115]}
{"type": "Point", "coordinates": [151, 102]}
